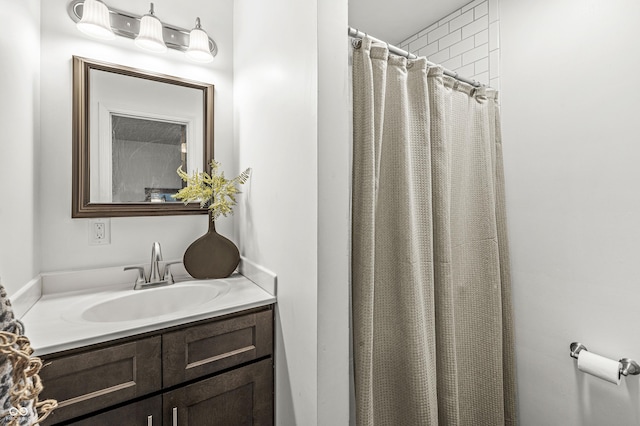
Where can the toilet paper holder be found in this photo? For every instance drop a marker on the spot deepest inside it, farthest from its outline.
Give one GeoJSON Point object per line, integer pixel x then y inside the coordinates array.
{"type": "Point", "coordinates": [627, 366]}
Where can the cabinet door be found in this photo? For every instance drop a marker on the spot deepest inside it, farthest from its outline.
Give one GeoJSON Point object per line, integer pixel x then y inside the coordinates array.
{"type": "Point", "coordinates": [208, 348]}
{"type": "Point", "coordinates": [147, 412]}
{"type": "Point", "coordinates": [240, 397]}
{"type": "Point", "coordinates": [101, 378]}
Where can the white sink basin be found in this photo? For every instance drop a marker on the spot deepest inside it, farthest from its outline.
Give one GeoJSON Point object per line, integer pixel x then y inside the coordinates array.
{"type": "Point", "coordinates": [129, 305]}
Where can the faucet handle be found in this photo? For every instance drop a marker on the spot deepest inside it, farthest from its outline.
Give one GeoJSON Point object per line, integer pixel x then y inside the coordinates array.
{"type": "Point", "coordinates": [167, 275]}
{"type": "Point", "coordinates": [141, 279]}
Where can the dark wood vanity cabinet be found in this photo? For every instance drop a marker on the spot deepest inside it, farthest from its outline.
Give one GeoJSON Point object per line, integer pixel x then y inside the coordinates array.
{"type": "Point", "coordinates": [209, 373]}
{"type": "Point", "coordinates": [232, 398]}
{"type": "Point", "coordinates": [147, 412]}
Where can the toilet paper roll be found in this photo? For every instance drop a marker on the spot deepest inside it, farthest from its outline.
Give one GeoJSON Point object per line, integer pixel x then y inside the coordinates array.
{"type": "Point", "coordinates": [599, 366]}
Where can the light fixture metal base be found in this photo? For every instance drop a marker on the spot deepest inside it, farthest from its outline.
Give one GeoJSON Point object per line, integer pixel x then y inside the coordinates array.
{"type": "Point", "coordinates": [127, 25]}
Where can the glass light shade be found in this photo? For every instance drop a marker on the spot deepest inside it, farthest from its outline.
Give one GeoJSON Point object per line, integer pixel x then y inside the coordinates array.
{"type": "Point", "coordinates": [199, 45]}
{"type": "Point", "coordinates": [150, 35]}
{"type": "Point", "coordinates": [95, 20]}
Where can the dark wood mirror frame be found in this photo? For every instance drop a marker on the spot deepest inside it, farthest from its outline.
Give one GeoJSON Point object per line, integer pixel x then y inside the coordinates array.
{"type": "Point", "coordinates": [81, 205]}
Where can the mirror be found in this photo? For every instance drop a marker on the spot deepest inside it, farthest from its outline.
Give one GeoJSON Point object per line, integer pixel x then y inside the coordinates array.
{"type": "Point", "coordinates": [131, 130]}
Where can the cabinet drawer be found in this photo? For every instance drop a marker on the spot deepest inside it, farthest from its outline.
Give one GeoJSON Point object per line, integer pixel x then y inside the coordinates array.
{"type": "Point", "coordinates": [100, 378]}
{"type": "Point", "coordinates": [240, 397]}
{"type": "Point", "coordinates": [208, 348]}
{"type": "Point", "coordinates": [147, 412]}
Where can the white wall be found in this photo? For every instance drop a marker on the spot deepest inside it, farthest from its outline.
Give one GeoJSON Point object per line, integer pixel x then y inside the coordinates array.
{"type": "Point", "coordinates": [334, 219]}
{"type": "Point", "coordinates": [570, 112]}
{"type": "Point", "coordinates": [276, 83]}
{"type": "Point", "coordinates": [292, 128]}
{"type": "Point", "coordinates": [19, 156]}
{"type": "Point", "coordinates": [65, 240]}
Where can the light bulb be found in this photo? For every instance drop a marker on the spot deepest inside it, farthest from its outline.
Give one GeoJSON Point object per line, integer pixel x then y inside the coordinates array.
{"type": "Point", "coordinates": [199, 45]}
{"type": "Point", "coordinates": [150, 35]}
{"type": "Point", "coordinates": [95, 20]}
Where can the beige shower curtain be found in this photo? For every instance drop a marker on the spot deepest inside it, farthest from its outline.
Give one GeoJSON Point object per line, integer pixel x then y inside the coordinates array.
{"type": "Point", "coordinates": [433, 339]}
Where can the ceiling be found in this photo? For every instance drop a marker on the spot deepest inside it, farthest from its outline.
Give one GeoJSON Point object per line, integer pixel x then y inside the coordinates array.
{"type": "Point", "coordinates": [395, 20]}
{"type": "Point", "coordinates": [140, 130]}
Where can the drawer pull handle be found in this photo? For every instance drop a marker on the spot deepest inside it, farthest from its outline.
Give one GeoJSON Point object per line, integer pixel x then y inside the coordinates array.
{"type": "Point", "coordinates": [150, 421]}
{"type": "Point", "coordinates": [175, 416]}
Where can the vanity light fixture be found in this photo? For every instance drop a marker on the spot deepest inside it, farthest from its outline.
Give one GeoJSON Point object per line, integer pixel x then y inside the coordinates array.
{"type": "Point", "coordinates": [199, 45]}
{"type": "Point", "coordinates": [95, 20]}
{"type": "Point", "coordinates": [133, 26]}
{"type": "Point", "coordinates": [150, 34]}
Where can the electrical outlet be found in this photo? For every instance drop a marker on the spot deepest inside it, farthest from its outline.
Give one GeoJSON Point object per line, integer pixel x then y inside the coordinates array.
{"type": "Point", "coordinates": [99, 232]}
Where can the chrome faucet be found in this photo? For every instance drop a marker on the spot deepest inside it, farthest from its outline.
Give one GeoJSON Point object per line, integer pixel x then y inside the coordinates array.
{"type": "Point", "coordinates": [158, 276]}
{"type": "Point", "coordinates": [156, 257]}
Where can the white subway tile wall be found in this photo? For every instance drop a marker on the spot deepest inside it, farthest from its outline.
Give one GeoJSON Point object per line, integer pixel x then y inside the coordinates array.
{"type": "Point", "coordinates": [466, 41]}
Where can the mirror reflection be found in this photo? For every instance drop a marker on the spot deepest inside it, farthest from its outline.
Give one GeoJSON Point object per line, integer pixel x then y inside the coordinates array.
{"type": "Point", "coordinates": [132, 130]}
{"type": "Point", "coordinates": [145, 155]}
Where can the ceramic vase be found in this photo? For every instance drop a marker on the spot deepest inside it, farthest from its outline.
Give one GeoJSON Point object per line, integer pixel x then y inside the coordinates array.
{"type": "Point", "coordinates": [211, 256]}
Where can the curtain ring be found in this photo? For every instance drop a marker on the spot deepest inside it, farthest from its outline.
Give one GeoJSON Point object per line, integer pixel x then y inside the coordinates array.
{"type": "Point", "coordinates": [408, 56]}
{"type": "Point", "coordinates": [356, 42]}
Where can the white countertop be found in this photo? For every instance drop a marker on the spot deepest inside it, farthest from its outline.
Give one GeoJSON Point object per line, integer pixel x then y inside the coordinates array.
{"type": "Point", "coordinates": [54, 324]}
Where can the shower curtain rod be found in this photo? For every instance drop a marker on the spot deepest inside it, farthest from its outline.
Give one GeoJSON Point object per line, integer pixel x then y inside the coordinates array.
{"type": "Point", "coordinates": [396, 50]}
